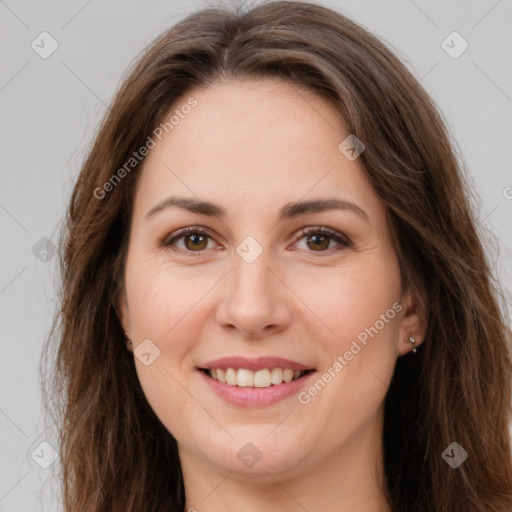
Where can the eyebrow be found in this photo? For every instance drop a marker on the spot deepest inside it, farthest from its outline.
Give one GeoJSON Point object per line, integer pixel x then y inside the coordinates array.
{"type": "Point", "coordinates": [288, 211]}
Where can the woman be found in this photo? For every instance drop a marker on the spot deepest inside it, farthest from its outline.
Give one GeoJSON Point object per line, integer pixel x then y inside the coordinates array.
{"type": "Point", "coordinates": [274, 295]}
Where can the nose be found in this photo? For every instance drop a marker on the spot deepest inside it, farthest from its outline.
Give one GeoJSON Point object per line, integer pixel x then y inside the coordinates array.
{"type": "Point", "coordinates": [255, 301]}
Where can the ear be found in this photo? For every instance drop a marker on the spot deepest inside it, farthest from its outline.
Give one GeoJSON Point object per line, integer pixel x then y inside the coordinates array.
{"type": "Point", "coordinates": [413, 321]}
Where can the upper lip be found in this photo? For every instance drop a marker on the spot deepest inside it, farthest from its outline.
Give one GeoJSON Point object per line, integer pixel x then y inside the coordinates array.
{"type": "Point", "coordinates": [258, 363]}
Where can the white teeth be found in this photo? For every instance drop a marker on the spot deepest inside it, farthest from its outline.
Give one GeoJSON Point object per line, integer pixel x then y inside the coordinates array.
{"type": "Point", "coordinates": [245, 378]}
{"type": "Point", "coordinates": [221, 375]}
{"type": "Point", "coordinates": [231, 377]}
{"type": "Point", "coordinates": [287, 375]}
{"type": "Point", "coordinates": [260, 379]}
{"type": "Point", "coordinates": [277, 376]}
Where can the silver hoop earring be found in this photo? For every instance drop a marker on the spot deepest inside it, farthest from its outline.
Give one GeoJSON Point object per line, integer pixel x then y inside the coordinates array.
{"type": "Point", "coordinates": [410, 339]}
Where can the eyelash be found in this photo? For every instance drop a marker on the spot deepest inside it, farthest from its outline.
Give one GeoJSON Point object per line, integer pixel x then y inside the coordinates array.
{"type": "Point", "coordinates": [334, 235]}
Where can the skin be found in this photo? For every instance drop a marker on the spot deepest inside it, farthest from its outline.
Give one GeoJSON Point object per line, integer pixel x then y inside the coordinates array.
{"type": "Point", "coordinates": [252, 147]}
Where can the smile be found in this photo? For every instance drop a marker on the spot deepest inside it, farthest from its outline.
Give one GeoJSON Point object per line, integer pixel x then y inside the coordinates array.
{"type": "Point", "coordinates": [263, 378]}
{"type": "Point", "coordinates": [255, 382]}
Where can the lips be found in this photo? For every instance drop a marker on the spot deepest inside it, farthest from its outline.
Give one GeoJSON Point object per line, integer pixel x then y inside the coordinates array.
{"type": "Point", "coordinates": [260, 381]}
{"type": "Point", "coordinates": [254, 364]}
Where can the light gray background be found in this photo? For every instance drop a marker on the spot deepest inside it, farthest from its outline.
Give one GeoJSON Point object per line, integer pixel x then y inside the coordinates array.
{"type": "Point", "coordinates": [49, 110]}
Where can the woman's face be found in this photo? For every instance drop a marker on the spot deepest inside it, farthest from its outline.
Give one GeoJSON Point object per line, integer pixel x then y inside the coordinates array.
{"type": "Point", "coordinates": [266, 285]}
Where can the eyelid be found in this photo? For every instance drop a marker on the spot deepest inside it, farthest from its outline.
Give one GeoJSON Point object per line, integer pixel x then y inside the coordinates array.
{"type": "Point", "coordinates": [339, 237]}
{"type": "Point", "coordinates": [180, 233]}
{"type": "Point", "coordinates": [324, 230]}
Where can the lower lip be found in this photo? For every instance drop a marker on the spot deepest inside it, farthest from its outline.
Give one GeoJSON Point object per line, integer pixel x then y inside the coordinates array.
{"type": "Point", "coordinates": [256, 396]}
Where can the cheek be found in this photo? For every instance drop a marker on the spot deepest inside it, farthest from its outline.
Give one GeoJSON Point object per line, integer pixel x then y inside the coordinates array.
{"type": "Point", "coordinates": [161, 297]}
{"type": "Point", "coordinates": [360, 305]}
{"type": "Point", "coordinates": [351, 298]}
{"type": "Point", "coordinates": [163, 304]}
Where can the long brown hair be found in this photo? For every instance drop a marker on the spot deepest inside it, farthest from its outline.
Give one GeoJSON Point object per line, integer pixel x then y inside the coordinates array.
{"type": "Point", "coordinates": [115, 454]}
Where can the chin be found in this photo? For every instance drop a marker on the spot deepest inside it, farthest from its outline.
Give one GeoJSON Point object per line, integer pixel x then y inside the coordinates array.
{"type": "Point", "coordinates": [255, 459]}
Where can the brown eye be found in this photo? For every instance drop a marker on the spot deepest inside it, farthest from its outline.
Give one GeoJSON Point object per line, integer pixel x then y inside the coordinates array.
{"type": "Point", "coordinates": [323, 240]}
{"type": "Point", "coordinates": [195, 241]}
{"type": "Point", "coordinates": [188, 240]}
{"type": "Point", "coordinates": [320, 242]}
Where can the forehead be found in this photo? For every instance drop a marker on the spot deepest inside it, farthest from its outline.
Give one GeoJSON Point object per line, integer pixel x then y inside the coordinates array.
{"type": "Point", "coordinates": [256, 141]}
